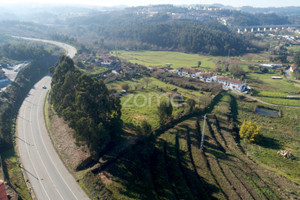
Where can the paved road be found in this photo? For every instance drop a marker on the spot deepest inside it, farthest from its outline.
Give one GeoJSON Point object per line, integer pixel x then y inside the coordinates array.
{"type": "Point", "coordinates": [47, 174]}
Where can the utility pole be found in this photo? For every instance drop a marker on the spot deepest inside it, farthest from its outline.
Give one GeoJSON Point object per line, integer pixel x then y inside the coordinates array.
{"type": "Point", "coordinates": [202, 138]}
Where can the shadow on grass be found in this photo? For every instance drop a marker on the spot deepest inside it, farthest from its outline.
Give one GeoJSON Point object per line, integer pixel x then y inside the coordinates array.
{"type": "Point", "coordinates": [269, 143]}
{"type": "Point", "coordinates": [157, 170]}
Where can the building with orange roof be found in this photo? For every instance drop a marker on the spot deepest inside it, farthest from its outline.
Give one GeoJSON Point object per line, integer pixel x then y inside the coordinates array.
{"type": "Point", "coordinates": [231, 83]}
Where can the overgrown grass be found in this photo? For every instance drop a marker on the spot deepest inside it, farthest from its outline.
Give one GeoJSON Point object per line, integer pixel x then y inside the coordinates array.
{"type": "Point", "coordinates": [279, 133]}
{"type": "Point", "coordinates": [13, 172]}
{"type": "Point", "coordinates": [141, 103]}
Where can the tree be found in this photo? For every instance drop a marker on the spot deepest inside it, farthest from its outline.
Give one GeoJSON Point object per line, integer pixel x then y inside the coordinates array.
{"type": "Point", "coordinates": [125, 86]}
{"type": "Point", "coordinates": [165, 110]}
{"type": "Point", "coordinates": [199, 63]}
{"type": "Point", "coordinates": [226, 66]}
{"type": "Point", "coordinates": [86, 103]}
{"type": "Point", "coordinates": [237, 71]}
{"type": "Point", "coordinates": [204, 100]}
{"type": "Point", "coordinates": [147, 81]}
{"type": "Point", "coordinates": [216, 68]}
{"type": "Point", "coordinates": [251, 67]}
{"type": "Point", "coordinates": [281, 58]}
{"type": "Point", "coordinates": [297, 58]}
{"type": "Point", "coordinates": [250, 132]}
{"type": "Point", "coordinates": [296, 75]}
{"type": "Point", "coordinates": [191, 105]}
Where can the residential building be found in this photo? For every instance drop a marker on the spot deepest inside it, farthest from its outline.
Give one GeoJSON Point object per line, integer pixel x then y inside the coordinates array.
{"type": "Point", "coordinates": [206, 77]}
{"type": "Point", "coordinates": [188, 72]}
{"type": "Point", "coordinates": [230, 83]}
{"type": "Point", "coordinates": [293, 68]}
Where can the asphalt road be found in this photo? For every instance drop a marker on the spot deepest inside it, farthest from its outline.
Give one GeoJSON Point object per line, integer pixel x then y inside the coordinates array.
{"type": "Point", "coordinates": [47, 174]}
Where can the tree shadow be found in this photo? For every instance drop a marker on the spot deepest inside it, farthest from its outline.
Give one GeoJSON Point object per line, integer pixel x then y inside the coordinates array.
{"type": "Point", "coordinates": [158, 170]}
{"type": "Point", "coordinates": [270, 143]}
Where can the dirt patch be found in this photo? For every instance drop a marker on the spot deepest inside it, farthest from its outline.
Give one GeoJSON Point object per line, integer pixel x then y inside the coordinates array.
{"type": "Point", "coordinates": [62, 137]}
{"type": "Point", "coordinates": [105, 177]}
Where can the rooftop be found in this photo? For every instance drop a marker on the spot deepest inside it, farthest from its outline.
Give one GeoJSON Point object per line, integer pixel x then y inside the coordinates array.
{"type": "Point", "coordinates": [232, 80]}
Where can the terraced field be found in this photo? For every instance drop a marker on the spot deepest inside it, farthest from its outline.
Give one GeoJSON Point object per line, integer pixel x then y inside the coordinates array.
{"type": "Point", "coordinates": [172, 166]}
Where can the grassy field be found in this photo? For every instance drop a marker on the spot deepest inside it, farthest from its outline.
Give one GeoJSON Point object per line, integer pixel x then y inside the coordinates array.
{"type": "Point", "coordinates": [140, 103]}
{"type": "Point", "coordinates": [273, 90]}
{"type": "Point", "coordinates": [161, 58]}
{"type": "Point", "coordinates": [279, 133]}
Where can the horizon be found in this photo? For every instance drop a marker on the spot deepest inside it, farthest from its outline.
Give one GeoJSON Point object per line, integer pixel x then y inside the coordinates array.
{"type": "Point", "coordinates": [232, 3]}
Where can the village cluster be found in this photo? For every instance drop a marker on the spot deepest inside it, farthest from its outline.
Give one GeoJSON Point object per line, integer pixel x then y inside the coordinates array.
{"type": "Point", "coordinates": [227, 83]}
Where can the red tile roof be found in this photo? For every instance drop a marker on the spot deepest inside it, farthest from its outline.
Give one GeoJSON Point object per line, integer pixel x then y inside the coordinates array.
{"type": "Point", "coordinates": [189, 70]}
{"type": "Point", "coordinates": [232, 80]}
{"type": "Point", "coordinates": [206, 74]}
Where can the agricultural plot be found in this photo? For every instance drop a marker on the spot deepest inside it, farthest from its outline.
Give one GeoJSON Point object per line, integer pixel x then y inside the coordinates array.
{"type": "Point", "coordinates": [161, 58]}
{"type": "Point", "coordinates": [273, 90]}
{"type": "Point", "coordinates": [140, 102]}
{"type": "Point", "coordinates": [175, 168]}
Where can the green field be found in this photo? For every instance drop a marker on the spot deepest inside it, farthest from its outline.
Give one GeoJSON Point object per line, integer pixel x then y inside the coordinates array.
{"type": "Point", "coordinates": [279, 133]}
{"type": "Point", "coordinates": [140, 103]}
{"type": "Point", "coordinates": [161, 58]}
{"type": "Point", "coordinates": [273, 90]}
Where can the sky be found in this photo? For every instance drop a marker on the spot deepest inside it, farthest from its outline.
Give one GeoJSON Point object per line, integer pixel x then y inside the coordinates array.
{"type": "Point", "coordinates": [236, 3]}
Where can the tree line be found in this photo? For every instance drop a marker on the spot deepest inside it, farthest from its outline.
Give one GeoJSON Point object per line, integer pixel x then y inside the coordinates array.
{"type": "Point", "coordinates": [126, 30]}
{"type": "Point", "coordinates": [22, 51]}
{"type": "Point", "coordinates": [85, 102]}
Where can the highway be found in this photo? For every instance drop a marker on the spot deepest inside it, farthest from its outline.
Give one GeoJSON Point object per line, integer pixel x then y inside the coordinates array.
{"type": "Point", "coordinates": [47, 174]}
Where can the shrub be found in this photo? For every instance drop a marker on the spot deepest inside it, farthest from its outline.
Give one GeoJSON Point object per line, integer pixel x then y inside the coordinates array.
{"type": "Point", "coordinates": [124, 86]}
{"type": "Point", "coordinates": [250, 132]}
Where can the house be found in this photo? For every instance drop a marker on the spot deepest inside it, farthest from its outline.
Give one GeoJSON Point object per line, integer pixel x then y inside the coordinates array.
{"type": "Point", "coordinates": [230, 83]}
{"type": "Point", "coordinates": [3, 194]}
{"type": "Point", "coordinates": [206, 77]}
{"type": "Point", "coordinates": [293, 68]}
{"type": "Point", "coordinates": [183, 71]}
{"type": "Point", "coordinates": [106, 62]}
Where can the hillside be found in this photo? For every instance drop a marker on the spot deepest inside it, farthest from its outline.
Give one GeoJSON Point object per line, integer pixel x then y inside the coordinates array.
{"type": "Point", "coordinates": [154, 160]}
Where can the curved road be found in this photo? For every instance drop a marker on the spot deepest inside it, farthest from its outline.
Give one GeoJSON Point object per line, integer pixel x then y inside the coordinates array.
{"type": "Point", "coordinates": [47, 174]}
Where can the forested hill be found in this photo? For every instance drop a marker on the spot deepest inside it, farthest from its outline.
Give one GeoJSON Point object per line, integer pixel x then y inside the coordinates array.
{"type": "Point", "coordinates": [134, 32]}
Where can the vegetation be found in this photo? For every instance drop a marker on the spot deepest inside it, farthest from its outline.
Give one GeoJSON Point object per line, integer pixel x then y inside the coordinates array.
{"type": "Point", "coordinates": [22, 52]}
{"type": "Point", "coordinates": [161, 58]}
{"type": "Point", "coordinates": [297, 58]}
{"type": "Point", "coordinates": [87, 104]}
{"type": "Point", "coordinates": [164, 111]}
{"type": "Point", "coordinates": [210, 37]}
{"type": "Point", "coordinates": [250, 132]}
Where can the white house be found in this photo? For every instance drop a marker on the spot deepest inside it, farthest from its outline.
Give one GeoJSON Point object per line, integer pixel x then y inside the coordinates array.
{"type": "Point", "coordinates": [231, 83]}
{"type": "Point", "coordinates": [188, 72]}
{"type": "Point", "coordinates": [206, 77]}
